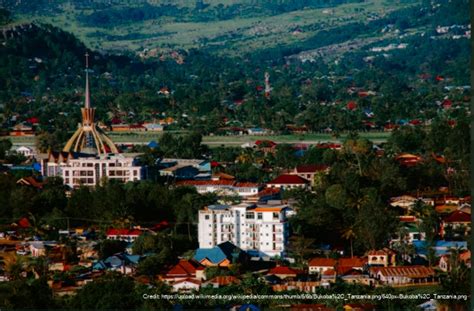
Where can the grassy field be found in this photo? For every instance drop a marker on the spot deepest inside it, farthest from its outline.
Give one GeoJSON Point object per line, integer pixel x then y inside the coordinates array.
{"type": "Point", "coordinates": [232, 36]}
{"type": "Point", "coordinates": [142, 138]}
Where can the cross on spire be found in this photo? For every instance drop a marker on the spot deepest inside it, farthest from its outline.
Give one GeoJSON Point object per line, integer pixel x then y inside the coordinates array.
{"type": "Point", "coordinates": [87, 100]}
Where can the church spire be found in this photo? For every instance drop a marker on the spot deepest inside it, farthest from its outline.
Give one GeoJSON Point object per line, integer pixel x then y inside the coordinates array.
{"type": "Point", "coordinates": [87, 95]}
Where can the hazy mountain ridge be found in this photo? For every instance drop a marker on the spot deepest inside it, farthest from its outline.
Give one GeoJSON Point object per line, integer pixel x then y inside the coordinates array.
{"type": "Point", "coordinates": [238, 26]}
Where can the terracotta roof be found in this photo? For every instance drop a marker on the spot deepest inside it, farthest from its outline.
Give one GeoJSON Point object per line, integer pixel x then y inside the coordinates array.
{"type": "Point", "coordinates": [269, 209]}
{"type": "Point", "coordinates": [222, 176]}
{"type": "Point", "coordinates": [288, 179]}
{"type": "Point", "coordinates": [407, 218]}
{"type": "Point", "coordinates": [133, 232]}
{"type": "Point", "coordinates": [322, 262]}
{"type": "Point", "coordinates": [329, 272]}
{"type": "Point", "coordinates": [354, 272]}
{"type": "Point", "coordinates": [351, 262]}
{"type": "Point", "coordinates": [224, 280]}
{"type": "Point", "coordinates": [407, 271]}
{"type": "Point", "coordinates": [446, 208]}
{"type": "Point", "coordinates": [465, 256]}
{"type": "Point", "coordinates": [183, 268]}
{"type": "Point", "coordinates": [457, 216]}
{"type": "Point", "coordinates": [269, 191]}
{"type": "Point", "coordinates": [30, 181]}
{"type": "Point", "coordinates": [282, 270]}
{"type": "Point", "coordinates": [311, 168]}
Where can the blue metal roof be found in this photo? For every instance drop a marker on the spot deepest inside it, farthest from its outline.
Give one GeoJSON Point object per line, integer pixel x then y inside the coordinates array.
{"type": "Point", "coordinates": [214, 255]}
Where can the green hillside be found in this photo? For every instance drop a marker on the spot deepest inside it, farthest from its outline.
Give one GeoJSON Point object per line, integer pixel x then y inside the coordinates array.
{"type": "Point", "coordinates": [356, 75]}
{"type": "Point", "coordinates": [233, 28]}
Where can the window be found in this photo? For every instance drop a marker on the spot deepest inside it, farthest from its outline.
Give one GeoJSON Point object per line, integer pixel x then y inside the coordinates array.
{"type": "Point", "coordinates": [259, 216]}
{"type": "Point", "coordinates": [206, 217]}
{"type": "Point", "coordinates": [275, 216]}
{"type": "Point", "coordinates": [249, 215]}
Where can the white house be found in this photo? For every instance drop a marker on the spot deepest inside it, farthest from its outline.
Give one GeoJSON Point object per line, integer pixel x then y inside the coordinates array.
{"type": "Point", "coordinates": [127, 235]}
{"type": "Point", "coordinates": [25, 151]}
{"type": "Point", "coordinates": [403, 275]}
{"type": "Point", "coordinates": [222, 187]}
{"type": "Point", "coordinates": [320, 265]}
{"type": "Point", "coordinates": [186, 285]}
{"type": "Point", "coordinates": [288, 181]}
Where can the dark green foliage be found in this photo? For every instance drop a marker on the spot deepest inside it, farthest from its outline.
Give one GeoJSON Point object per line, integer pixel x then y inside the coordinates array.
{"type": "Point", "coordinates": [5, 145]}
{"type": "Point", "coordinates": [113, 291]}
{"type": "Point", "coordinates": [108, 248]}
{"type": "Point", "coordinates": [26, 294]}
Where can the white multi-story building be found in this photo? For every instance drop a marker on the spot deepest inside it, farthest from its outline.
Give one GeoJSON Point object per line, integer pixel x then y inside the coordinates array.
{"type": "Point", "coordinates": [261, 230]}
{"type": "Point", "coordinates": [222, 187]}
{"type": "Point", "coordinates": [89, 170]}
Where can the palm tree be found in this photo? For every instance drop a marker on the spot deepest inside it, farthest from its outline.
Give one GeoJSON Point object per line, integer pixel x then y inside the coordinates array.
{"type": "Point", "coordinates": [349, 234]}
{"type": "Point", "coordinates": [187, 211]}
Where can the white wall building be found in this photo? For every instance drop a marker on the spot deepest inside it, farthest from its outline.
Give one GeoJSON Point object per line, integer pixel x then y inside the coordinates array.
{"type": "Point", "coordinates": [261, 230]}
{"type": "Point", "coordinates": [223, 187]}
{"type": "Point", "coordinates": [25, 151]}
{"type": "Point", "coordinates": [89, 171]}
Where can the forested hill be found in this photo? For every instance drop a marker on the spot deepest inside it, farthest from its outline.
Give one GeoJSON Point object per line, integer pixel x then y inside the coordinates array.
{"type": "Point", "coordinates": [354, 76]}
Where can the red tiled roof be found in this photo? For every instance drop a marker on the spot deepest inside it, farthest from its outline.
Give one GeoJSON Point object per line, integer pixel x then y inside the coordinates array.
{"type": "Point", "coordinates": [407, 271]}
{"type": "Point", "coordinates": [24, 223]}
{"type": "Point", "coordinates": [222, 176]}
{"type": "Point", "coordinates": [133, 232]}
{"type": "Point", "coordinates": [282, 270]}
{"type": "Point", "coordinates": [457, 216]}
{"type": "Point", "coordinates": [268, 191]}
{"type": "Point", "coordinates": [183, 268]}
{"type": "Point", "coordinates": [407, 218]}
{"type": "Point", "coordinates": [322, 262]}
{"type": "Point", "coordinates": [288, 179]}
{"type": "Point", "coordinates": [311, 168]}
{"type": "Point", "coordinates": [351, 262]}
{"type": "Point", "coordinates": [30, 181]}
{"type": "Point", "coordinates": [329, 272]}
{"type": "Point", "coordinates": [223, 280]}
